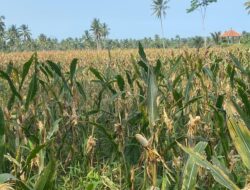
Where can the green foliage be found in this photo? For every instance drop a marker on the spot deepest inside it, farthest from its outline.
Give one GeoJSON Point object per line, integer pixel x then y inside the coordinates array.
{"type": "Point", "coordinates": [240, 135]}
{"type": "Point", "coordinates": [191, 169]}
{"type": "Point", "coordinates": [45, 180]}
{"type": "Point", "coordinates": [247, 5]}
{"type": "Point", "coordinates": [195, 4]}
{"type": "Point", "coordinates": [217, 173]}
{"type": "Point", "coordinates": [73, 126]}
{"type": "Point", "coordinates": [2, 139]}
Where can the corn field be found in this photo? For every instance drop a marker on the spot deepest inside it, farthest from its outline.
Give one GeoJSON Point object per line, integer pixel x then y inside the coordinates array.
{"type": "Point", "coordinates": [125, 119]}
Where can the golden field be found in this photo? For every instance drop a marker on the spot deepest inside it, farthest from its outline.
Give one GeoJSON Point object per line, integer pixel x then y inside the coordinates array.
{"type": "Point", "coordinates": [125, 119]}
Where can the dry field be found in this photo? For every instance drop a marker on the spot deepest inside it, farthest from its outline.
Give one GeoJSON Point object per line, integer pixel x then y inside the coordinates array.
{"type": "Point", "coordinates": [125, 119]}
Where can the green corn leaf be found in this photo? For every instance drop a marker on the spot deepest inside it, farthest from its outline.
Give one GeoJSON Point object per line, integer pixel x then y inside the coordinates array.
{"type": "Point", "coordinates": [241, 83]}
{"type": "Point", "coordinates": [231, 73]}
{"type": "Point", "coordinates": [189, 86]}
{"type": "Point", "coordinates": [210, 74]}
{"type": "Point", "coordinates": [9, 68]}
{"type": "Point", "coordinates": [164, 182]}
{"type": "Point", "coordinates": [33, 87]}
{"type": "Point", "coordinates": [175, 65]}
{"type": "Point", "coordinates": [2, 141]}
{"type": "Point", "coordinates": [120, 82]}
{"type": "Point", "coordinates": [55, 68]}
{"type": "Point", "coordinates": [177, 79]}
{"type": "Point", "coordinates": [73, 68]}
{"type": "Point", "coordinates": [42, 68]}
{"type": "Point", "coordinates": [33, 154]}
{"type": "Point", "coordinates": [81, 90]}
{"type": "Point", "coordinates": [216, 162]}
{"type": "Point", "coordinates": [26, 68]}
{"type": "Point", "coordinates": [2, 123]}
{"type": "Point", "coordinates": [157, 68]}
{"type": "Point", "coordinates": [219, 102]}
{"type": "Point", "coordinates": [195, 99]}
{"type": "Point", "coordinates": [240, 135]}
{"type": "Point", "coordinates": [134, 64]}
{"type": "Point", "coordinates": [129, 79]}
{"type": "Point", "coordinates": [178, 98]}
{"type": "Point", "coordinates": [54, 129]}
{"type": "Point", "coordinates": [97, 74]}
{"type": "Point", "coordinates": [121, 85]}
{"type": "Point", "coordinates": [141, 92]}
{"type": "Point", "coordinates": [217, 173]}
{"type": "Point", "coordinates": [152, 92]}
{"type": "Point", "coordinates": [242, 114]}
{"type": "Point", "coordinates": [221, 126]}
{"type": "Point", "coordinates": [215, 68]}
{"type": "Point", "coordinates": [237, 63]}
{"type": "Point", "coordinates": [47, 176]}
{"type": "Point", "coordinates": [47, 71]}
{"type": "Point", "coordinates": [191, 169]}
{"type": "Point", "coordinates": [244, 97]}
{"type": "Point", "coordinates": [142, 53]}
{"type": "Point", "coordinates": [143, 65]}
{"type": "Point", "coordinates": [5, 76]}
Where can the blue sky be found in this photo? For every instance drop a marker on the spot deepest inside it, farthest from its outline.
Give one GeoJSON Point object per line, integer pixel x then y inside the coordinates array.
{"type": "Point", "coordinates": [125, 18]}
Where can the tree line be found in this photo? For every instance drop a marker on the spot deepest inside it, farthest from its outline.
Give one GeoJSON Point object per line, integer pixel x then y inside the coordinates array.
{"type": "Point", "coordinates": [20, 38]}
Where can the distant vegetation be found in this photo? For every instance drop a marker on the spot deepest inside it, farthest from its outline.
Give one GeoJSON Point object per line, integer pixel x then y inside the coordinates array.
{"type": "Point", "coordinates": [20, 38]}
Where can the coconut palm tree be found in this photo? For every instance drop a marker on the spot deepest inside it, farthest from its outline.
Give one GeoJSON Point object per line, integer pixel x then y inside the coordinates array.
{"type": "Point", "coordinates": [13, 37]}
{"type": "Point", "coordinates": [159, 10]}
{"type": "Point", "coordinates": [247, 4]}
{"type": "Point", "coordinates": [105, 32]}
{"type": "Point", "coordinates": [197, 42]}
{"type": "Point", "coordinates": [2, 30]}
{"type": "Point", "coordinates": [87, 39]}
{"type": "Point", "coordinates": [87, 35]}
{"type": "Point", "coordinates": [25, 32]}
{"type": "Point", "coordinates": [202, 6]}
{"type": "Point", "coordinates": [96, 28]}
{"type": "Point", "coordinates": [42, 41]}
{"type": "Point", "coordinates": [216, 37]}
{"type": "Point", "coordinates": [2, 25]}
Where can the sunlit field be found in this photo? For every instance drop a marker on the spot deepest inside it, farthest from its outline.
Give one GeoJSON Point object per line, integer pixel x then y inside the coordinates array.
{"type": "Point", "coordinates": [116, 56]}
{"type": "Point", "coordinates": [125, 119]}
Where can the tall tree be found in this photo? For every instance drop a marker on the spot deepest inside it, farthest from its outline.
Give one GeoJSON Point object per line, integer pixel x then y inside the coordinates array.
{"type": "Point", "coordinates": [216, 37]}
{"type": "Point", "coordinates": [159, 10]}
{"type": "Point", "coordinates": [178, 39]}
{"type": "Point", "coordinates": [13, 37]}
{"type": "Point", "coordinates": [202, 6]}
{"type": "Point", "coordinates": [105, 32]}
{"type": "Point", "coordinates": [25, 33]}
{"type": "Point", "coordinates": [2, 31]}
{"type": "Point", "coordinates": [96, 28]}
{"type": "Point", "coordinates": [2, 25]}
{"type": "Point", "coordinates": [42, 41]}
{"type": "Point", "coordinates": [87, 39]}
{"type": "Point", "coordinates": [197, 42]}
{"type": "Point", "coordinates": [247, 4]}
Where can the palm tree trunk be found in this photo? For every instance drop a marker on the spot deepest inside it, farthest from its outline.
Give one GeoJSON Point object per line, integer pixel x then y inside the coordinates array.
{"type": "Point", "coordinates": [98, 43]}
{"type": "Point", "coordinates": [204, 30]}
{"type": "Point", "coordinates": [203, 17]}
{"type": "Point", "coordinates": [162, 32]}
